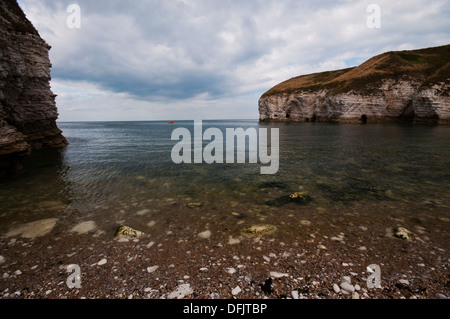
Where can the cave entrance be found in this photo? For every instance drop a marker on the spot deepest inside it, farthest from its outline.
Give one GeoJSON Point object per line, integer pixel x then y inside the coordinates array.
{"type": "Point", "coordinates": [363, 119]}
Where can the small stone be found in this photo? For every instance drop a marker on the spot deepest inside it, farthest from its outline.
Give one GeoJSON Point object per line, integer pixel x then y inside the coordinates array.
{"type": "Point", "coordinates": [233, 241]}
{"type": "Point", "coordinates": [355, 295]}
{"type": "Point", "coordinates": [143, 212]}
{"type": "Point", "coordinates": [294, 294]}
{"type": "Point", "coordinates": [259, 230]}
{"type": "Point", "coordinates": [152, 269]}
{"type": "Point", "coordinates": [231, 271]}
{"type": "Point", "coordinates": [236, 291]}
{"type": "Point", "coordinates": [347, 287]}
{"type": "Point", "coordinates": [127, 232]}
{"type": "Point", "coordinates": [404, 282]}
{"type": "Point", "coordinates": [321, 247]}
{"type": "Point", "coordinates": [305, 222]}
{"type": "Point", "coordinates": [357, 287]}
{"type": "Point", "coordinates": [203, 269]}
{"type": "Point", "coordinates": [275, 274]}
{"type": "Point", "coordinates": [2, 259]}
{"type": "Point", "coordinates": [102, 262]}
{"type": "Point", "coordinates": [440, 296]}
{"type": "Point", "coordinates": [17, 272]}
{"type": "Point", "coordinates": [336, 288]}
{"type": "Point", "coordinates": [194, 205]}
{"type": "Point", "coordinates": [205, 235]}
{"type": "Point", "coordinates": [362, 248]}
{"type": "Point", "coordinates": [402, 233]}
{"type": "Point", "coordinates": [181, 292]}
{"type": "Point", "coordinates": [347, 279]}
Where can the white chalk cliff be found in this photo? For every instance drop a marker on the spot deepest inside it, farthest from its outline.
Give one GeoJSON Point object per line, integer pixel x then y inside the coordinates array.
{"type": "Point", "coordinates": [392, 87]}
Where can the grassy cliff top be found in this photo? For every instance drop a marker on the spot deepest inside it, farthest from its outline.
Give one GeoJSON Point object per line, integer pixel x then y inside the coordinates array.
{"type": "Point", "coordinates": [431, 65]}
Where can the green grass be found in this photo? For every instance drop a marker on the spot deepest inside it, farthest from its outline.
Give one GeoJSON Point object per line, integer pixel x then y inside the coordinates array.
{"type": "Point", "coordinates": [432, 65]}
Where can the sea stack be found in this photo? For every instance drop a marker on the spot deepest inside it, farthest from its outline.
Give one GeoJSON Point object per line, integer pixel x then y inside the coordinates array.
{"type": "Point", "coordinates": [402, 86]}
{"type": "Point", "coordinates": [28, 110]}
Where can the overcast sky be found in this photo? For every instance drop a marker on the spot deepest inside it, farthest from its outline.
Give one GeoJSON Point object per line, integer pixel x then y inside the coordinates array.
{"type": "Point", "coordinates": [212, 59]}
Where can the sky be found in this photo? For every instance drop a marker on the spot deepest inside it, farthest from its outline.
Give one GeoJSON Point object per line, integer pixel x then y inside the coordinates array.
{"type": "Point", "coordinates": [116, 60]}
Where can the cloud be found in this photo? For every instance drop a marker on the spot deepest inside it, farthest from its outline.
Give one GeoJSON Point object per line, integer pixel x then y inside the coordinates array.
{"type": "Point", "coordinates": [187, 53]}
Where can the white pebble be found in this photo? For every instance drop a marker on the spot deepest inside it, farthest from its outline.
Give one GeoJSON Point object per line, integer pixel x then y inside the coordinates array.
{"type": "Point", "coordinates": [236, 290]}
{"type": "Point", "coordinates": [294, 294]}
{"type": "Point", "coordinates": [152, 268]}
{"type": "Point", "coordinates": [205, 235]}
{"type": "Point", "coordinates": [347, 287]}
{"type": "Point", "coordinates": [2, 259]}
{"type": "Point", "coordinates": [102, 262]}
{"type": "Point", "coordinates": [357, 287]}
{"type": "Point", "coordinates": [336, 288]}
{"type": "Point", "coordinates": [275, 274]}
{"type": "Point", "coordinates": [17, 272]}
{"type": "Point", "coordinates": [231, 271]}
{"type": "Point", "coordinates": [404, 281]}
{"type": "Point", "coordinates": [347, 279]}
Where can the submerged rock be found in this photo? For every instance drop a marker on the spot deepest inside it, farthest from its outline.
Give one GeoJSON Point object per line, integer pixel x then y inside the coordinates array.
{"type": "Point", "coordinates": [84, 227]}
{"type": "Point", "coordinates": [127, 232]}
{"type": "Point", "coordinates": [194, 205]}
{"type": "Point", "coordinates": [402, 233]}
{"type": "Point", "coordinates": [258, 230]}
{"type": "Point", "coordinates": [297, 197]}
{"type": "Point", "coordinates": [34, 229]}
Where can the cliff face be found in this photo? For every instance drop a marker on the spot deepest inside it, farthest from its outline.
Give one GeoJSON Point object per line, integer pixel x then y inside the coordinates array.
{"type": "Point", "coordinates": [27, 105]}
{"type": "Point", "coordinates": [392, 87]}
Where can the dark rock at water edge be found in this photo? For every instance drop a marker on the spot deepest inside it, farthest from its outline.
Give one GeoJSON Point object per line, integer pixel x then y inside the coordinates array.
{"type": "Point", "coordinates": [28, 110]}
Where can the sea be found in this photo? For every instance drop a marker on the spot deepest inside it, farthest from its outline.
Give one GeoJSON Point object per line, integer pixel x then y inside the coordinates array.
{"type": "Point", "coordinates": [115, 173]}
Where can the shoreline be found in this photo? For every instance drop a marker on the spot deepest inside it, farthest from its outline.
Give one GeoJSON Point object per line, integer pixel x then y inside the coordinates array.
{"type": "Point", "coordinates": [304, 258]}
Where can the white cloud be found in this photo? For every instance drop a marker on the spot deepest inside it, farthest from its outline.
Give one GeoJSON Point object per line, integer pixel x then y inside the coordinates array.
{"type": "Point", "coordinates": [165, 58]}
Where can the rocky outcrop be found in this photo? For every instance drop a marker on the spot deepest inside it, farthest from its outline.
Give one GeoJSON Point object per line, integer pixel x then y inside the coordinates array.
{"type": "Point", "coordinates": [392, 87]}
{"type": "Point", "coordinates": [28, 110]}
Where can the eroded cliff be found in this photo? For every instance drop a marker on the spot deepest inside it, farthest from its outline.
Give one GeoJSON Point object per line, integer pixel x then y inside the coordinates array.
{"type": "Point", "coordinates": [28, 110]}
{"type": "Point", "coordinates": [392, 87]}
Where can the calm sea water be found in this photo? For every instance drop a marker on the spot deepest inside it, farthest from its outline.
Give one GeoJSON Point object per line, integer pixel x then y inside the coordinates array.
{"type": "Point", "coordinates": [122, 172]}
